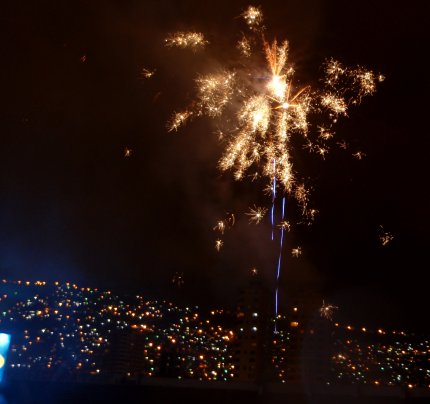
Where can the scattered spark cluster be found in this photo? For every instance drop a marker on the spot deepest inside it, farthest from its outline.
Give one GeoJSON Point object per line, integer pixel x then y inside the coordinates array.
{"type": "Point", "coordinates": [191, 40]}
{"type": "Point", "coordinates": [253, 16]}
{"type": "Point", "coordinates": [223, 225]}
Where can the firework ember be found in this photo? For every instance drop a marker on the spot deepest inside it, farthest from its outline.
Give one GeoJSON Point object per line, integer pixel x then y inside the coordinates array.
{"type": "Point", "coordinates": [385, 237]}
{"type": "Point", "coordinates": [147, 73]}
{"type": "Point", "coordinates": [296, 252]}
{"type": "Point", "coordinates": [178, 279]}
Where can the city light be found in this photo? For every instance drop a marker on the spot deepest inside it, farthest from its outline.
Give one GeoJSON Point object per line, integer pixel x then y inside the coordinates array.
{"type": "Point", "coordinates": [4, 348]}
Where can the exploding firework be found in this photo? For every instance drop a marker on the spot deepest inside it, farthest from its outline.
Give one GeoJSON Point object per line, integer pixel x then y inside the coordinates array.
{"type": "Point", "coordinates": [260, 107]}
{"type": "Point", "coordinates": [127, 152]}
{"type": "Point", "coordinates": [327, 310]}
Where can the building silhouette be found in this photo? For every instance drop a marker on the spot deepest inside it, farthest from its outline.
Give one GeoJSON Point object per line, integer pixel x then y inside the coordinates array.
{"type": "Point", "coordinates": [296, 352]}
{"type": "Point", "coordinates": [125, 357]}
{"type": "Point", "coordinates": [250, 351]}
{"type": "Point", "coordinates": [310, 342]}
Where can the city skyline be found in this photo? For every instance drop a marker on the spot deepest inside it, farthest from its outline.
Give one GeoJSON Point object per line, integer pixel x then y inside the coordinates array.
{"type": "Point", "coordinates": [65, 332]}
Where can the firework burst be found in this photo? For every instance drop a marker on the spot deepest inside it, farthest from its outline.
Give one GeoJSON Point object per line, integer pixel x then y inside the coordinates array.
{"type": "Point", "coordinates": [271, 107]}
{"type": "Point", "coordinates": [260, 107]}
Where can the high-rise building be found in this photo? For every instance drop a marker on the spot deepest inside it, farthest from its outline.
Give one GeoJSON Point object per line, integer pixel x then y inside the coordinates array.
{"type": "Point", "coordinates": [125, 358]}
{"type": "Point", "coordinates": [309, 341]}
{"type": "Point", "coordinates": [250, 349]}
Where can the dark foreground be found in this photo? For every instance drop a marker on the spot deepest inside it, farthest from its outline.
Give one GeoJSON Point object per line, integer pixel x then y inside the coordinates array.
{"type": "Point", "coordinates": [174, 391]}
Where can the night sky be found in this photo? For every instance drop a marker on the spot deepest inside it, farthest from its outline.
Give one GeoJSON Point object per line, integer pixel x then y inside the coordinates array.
{"type": "Point", "coordinates": [72, 207]}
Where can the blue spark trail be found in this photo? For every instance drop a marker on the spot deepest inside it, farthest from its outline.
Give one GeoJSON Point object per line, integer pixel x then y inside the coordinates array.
{"type": "Point", "coordinates": [273, 196]}
{"type": "Point", "coordinates": [278, 274]}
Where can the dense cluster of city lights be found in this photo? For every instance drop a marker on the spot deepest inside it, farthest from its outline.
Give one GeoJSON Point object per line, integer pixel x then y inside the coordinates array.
{"type": "Point", "coordinates": [63, 331]}
{"type": "Point", "coordinates": [380, 357]}
{"type": "Point", "coordinates": [61, 327]}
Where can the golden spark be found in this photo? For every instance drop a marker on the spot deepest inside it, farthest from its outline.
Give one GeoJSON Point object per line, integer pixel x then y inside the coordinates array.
{"type": "Point", "coordinates": [220, 226]}
{"type": "Point", "coordinates": [326, 310]}
{"type": "Point", "coordinates": [147, 73]}
{"type": "Point", "coordinates": [285, 225]}
{"type": "Point", "coordinates": [256, 214]}
{"type": "Point", "coordinates": [359, 155]}
{"type": "Point", "coordinates": [244, 47]}
{"type": "Point", "coordinates": [296, 252]}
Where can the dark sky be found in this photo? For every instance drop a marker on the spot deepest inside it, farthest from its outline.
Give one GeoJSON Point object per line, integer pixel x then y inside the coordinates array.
{"type": "Point", "coordinates": [73, 208]}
